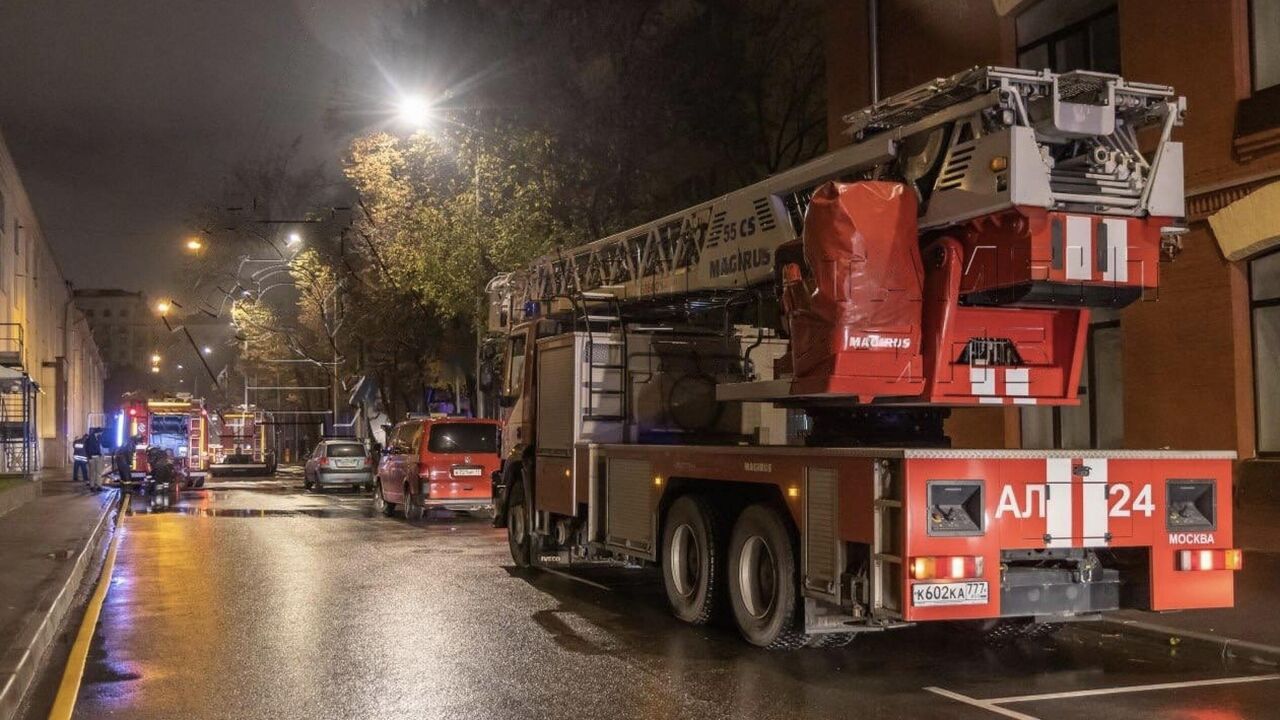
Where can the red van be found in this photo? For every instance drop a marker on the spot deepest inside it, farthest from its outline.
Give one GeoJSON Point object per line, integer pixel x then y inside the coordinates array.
{"type": "Point", "coordinates": [439, 462]}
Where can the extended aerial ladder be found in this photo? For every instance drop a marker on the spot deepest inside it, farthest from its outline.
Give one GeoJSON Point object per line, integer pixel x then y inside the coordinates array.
{"type": "Point", "coordinates": [774, 365]}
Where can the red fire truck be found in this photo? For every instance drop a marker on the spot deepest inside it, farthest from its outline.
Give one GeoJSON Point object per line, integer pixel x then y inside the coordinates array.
{"type": "Point", "coordinates": [177, 424]}
{"type": "Point", "coordinates": [751, 394]}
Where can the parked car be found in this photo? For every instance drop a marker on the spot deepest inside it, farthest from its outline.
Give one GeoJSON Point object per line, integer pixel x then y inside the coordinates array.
{"type": "Point", "coordinates": [338, 462]}
{"type": "Point", "coordinates": [439, 462]}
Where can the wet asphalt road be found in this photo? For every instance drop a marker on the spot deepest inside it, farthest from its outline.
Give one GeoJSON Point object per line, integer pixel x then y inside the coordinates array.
{"type": "Point", "coordinates": [255, 599]}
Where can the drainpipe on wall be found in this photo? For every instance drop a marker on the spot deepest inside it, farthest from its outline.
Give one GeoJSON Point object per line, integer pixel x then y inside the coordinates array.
{"type": "Point", "coordinates": [62, 375]}
{"type": "Point", "coordinates": [873, 48]}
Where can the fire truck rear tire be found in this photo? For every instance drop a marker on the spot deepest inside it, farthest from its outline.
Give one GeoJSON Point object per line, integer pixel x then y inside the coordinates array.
{"type": "Point", "coordinates": [763, 589]}
{"type": "Point", "coordinates": [518, 527]}
{"type": "Point", "coordinates": [692, 559]}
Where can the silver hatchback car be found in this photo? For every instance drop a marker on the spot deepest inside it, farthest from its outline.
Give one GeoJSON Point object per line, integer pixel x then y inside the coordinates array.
{"type": "Point", "coordinates": [336, 463]}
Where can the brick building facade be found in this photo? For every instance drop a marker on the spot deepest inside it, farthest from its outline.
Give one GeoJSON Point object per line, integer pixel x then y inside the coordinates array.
{"type": "Point", "coordinates": [1196, 368]}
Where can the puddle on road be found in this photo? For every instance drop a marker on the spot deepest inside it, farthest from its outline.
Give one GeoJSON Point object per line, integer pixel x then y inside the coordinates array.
{"type": "Point", "coordinates": [251, 512]}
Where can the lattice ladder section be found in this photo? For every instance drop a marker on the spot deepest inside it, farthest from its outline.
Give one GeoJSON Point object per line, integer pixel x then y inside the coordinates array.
{"type": "Point", "coordinates": [605, 354]}
{"type": "Point", "coordinates": [195, 442]}
{"type": "Point", "coordinates": [887, 562]}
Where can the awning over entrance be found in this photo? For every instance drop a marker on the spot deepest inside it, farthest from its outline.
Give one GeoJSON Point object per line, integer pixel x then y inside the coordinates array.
{"type": "Point", "coordinates": [1249, 225]}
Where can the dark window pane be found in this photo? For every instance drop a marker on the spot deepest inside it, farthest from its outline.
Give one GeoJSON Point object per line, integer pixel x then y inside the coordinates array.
{"type": "Point", "coordinates": [463, 437]}
{"type": "Point", "coordinates": [1070, 53]}
{"type": "Point", "coordinates": [346, 450]}
{"type": "Point", "coordinates": [1264, 277]}
{"type": "Point", "coordinates": [1266, 348]}
{"type": "Point", "coordinates": [1034, 58]}
{"type": "Point", "coordinates": [1104, 43]}
{"type": "Point", "coordinates": [1266, 43]}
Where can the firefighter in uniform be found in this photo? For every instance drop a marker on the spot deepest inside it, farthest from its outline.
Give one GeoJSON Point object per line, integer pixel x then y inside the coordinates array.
{"type": "Point", "coordinates": [93, 452]}
{"type": "Point", "coordinates": [80, 459]}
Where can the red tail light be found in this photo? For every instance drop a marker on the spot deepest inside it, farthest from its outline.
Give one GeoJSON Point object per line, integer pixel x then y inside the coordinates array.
{"type": "Point", "coordinates": [1210, 559]}
{"type": "Point", "coordinates": [324, 462]}
{"type": "Point", "coordinates": [949, 567]}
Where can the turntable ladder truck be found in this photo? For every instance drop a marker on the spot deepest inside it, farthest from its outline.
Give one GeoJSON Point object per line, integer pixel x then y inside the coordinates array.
{"type": "Point", "coordinates": [750, 394]}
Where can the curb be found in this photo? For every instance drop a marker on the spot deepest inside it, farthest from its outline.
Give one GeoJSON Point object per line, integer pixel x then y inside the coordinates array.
{"type": "Point", "coordinates": [19, 663]}
{"type": "Point", "coordinates": [1168, 633]}
{"type": "Point", "coordinates": [16, 497]}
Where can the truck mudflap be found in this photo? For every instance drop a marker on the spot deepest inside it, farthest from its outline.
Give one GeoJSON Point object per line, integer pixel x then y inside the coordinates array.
{"type": "Point", "coordinates": [990, 534]}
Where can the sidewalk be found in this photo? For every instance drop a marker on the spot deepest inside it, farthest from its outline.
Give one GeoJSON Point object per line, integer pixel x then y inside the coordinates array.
{"type": "Point", "coordinates": [46, 547]}
{"type": "Point", "coordinates": [1253, 619]}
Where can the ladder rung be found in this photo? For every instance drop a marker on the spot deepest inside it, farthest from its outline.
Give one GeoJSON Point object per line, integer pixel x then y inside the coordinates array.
{"type": "Point", "coordinates": [598, 296]}
{"type": "Point", "coordinates": [601, 318]}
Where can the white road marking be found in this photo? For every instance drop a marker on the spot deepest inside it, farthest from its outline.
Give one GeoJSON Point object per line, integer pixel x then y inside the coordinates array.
{"type": "Point", "coordinates": [1132, 689]}
{"type": "Point", "coordinates": [1196, 635]}
{"type": "Point", "coordinates": [575, 578]}
{"type": "Point", "coordinates": [994, 704]}
{"type": "Point", "coordinates": [984, 704]}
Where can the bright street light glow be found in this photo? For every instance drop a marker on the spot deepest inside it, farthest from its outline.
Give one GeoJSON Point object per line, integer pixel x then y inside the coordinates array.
{"type": "Point", "coordinates": [414, 111]}
{"type": "Point", "coordinates": [162, 307]}
{"type": "Point", "coordinates": [155, 369]}
{"type": "Point", "coordinates": [194, 244]}
{"type": "Point", "coordinates": [294, 239]}
{"type": "Point", "coordinates": [207, 350]}
{"type": "Point", "coordinates": [155, 358]}
{"type": "Point", "coordinates": [180, 366]}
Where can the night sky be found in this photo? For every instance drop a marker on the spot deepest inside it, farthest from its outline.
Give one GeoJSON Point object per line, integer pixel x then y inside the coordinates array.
{"type": "Point", "coordinates": [124, 116]}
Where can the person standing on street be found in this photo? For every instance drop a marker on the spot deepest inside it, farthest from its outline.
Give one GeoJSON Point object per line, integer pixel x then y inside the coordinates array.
{"type": "Point", "coordinates": [93, 453]}
{"type": "Point", "coordinates": [79, 460]}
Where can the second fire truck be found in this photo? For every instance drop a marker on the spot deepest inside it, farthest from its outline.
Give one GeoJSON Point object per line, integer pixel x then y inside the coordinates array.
{"type": "Point", "coordinates": [750, 394]}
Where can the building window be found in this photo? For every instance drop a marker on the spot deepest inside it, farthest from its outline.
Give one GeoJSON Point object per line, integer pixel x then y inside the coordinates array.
{"type": "Point", "coordinates": [1098, 421]}
{"type": "Point", "coordinates": [1264, 297]}
{"type": "Point", "coordinates": [1069, 35]}
{"type": "Point", "coordinates": [1264, 27]}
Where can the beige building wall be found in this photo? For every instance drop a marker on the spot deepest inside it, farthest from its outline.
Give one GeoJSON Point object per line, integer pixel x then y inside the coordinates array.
{"type": "Point", "coordinates": [37, 310]}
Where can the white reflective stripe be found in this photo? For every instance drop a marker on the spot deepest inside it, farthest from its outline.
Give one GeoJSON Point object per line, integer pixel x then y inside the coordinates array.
{"type": "Point", "coordinates": [1095, 518]}
{"type": "Point", "coordinates": [990, 401]}
{"type": "Point", "coordinates": [1017, 381]}
{"type": "Point", "coordinates": [1117, 250]}
{"type": "Point", "coordinates": [1079, 260]}
{"type": "Point", "coordinates": [1057, 515]}
{"type": "Point", "coordinates": [982, 381]}
{"type": "Point", "coordinates": [1024, 401]}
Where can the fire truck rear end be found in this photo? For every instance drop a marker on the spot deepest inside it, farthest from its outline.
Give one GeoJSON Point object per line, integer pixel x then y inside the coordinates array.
{"type": "Point", "coordinates": [179, 425]}
{"type": "Point", "coordinates": [751, 394]}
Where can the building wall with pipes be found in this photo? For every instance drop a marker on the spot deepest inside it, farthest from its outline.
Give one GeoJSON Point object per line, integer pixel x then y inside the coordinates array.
{"type": "Point", "coordinates": [1178, 370]}
{"type": "Point", "coordinates": [41, 327]}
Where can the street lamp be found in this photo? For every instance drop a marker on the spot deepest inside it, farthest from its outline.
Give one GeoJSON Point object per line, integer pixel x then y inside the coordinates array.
{"type": "Point", "coordinates": [163, 307]}
{"type": "Point", "coordinates": [195, 244]}
{"type": "Point", "coordinates": [294, 239]}
{"type": "Point", "coordinates": [155, 368]}
{"type": "Point", "coordinates": [207, 350]}
{"type": "Point", "coordinates": [155, 358]}
{"type": "Point", "coordinates": [414, 111]}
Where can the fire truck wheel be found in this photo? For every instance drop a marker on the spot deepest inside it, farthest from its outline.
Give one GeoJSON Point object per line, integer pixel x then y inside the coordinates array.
{"type": "Point", "coordinates": [380, 503]}
{"type": "Point", "coordinates": [692, 559]}
{"type": "Point", "coordinates": [517, 527]}
{"type": "Point", "coordinates": [411, 506]}
{"type": "Point", "coordinates": [762, 580]}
